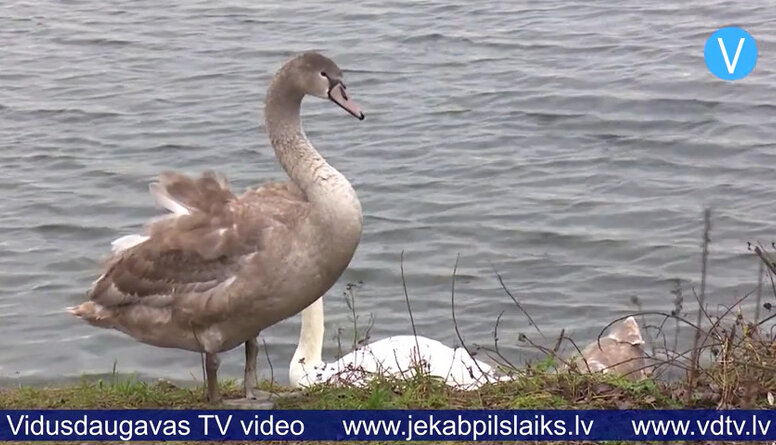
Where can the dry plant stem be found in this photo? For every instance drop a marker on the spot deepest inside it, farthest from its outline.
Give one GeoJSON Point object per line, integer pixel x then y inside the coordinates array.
{"type": "Point", "coordinates": [519, 306]}
{"type": "Point", "coordinates": [579, 351]}
{"type": "Point", "coordinates": [351, 299]}
{"type": "Point", "coordinates": [499, 359]}
{"type": "Point", "coordinates": [549, 352]}
{"type": "Point", "coordinates": [771, 266]}
{"type": "Point", "coordinates": [576, 348]}
{"type": "Point", "coordinates": [407, 300]}
{"type": "Point", "coordinates": [703, 310]}
{"type": "Point", "coordinates": [674, 361]}
{"type": "Point", "coordinates": [659, 334]}
{"type": "Point", "coordinates": [701, 301]}
{"type": "Point", "coordinates": [496, 350]}
{"type": "Point", "coordinates": [715, 324]}
{"type": "Point", "coordinates": [204, 374]}
{"type": "Point", "coordinates": [758, 302]}
{"type": "Point", "coordinates": [766, 319]}
{"type": "Point", "coordinates": [455, 321]}
{"type": "Point", "coordinates": [559, 341]}
{"type": "Point", "coordinates": [761, 253]}
{"type": "Point", "coordinates": [678, 301]}
{"type": "Point", "coordinates": [269, 363]}
{"type": "Point", "coordinates": [339, 343]}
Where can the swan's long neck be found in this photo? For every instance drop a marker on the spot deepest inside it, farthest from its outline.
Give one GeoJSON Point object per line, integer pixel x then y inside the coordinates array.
{"type": "Point", "coordinates": [321, 182]}
{"type": "Point", "coordinates": [308, 351]}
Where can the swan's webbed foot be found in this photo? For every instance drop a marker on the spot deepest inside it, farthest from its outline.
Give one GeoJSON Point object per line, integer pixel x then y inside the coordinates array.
{"type": "Point", "coordinates": [248, 404]}
{"type": "Point", "coordinates": [257, 394]}
{"type": "Point", "coordinates": [253, 400]}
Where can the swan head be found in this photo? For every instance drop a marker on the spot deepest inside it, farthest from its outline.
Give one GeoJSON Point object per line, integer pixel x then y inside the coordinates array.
{"type": "Point", "coordinates": [628, 332]}
{"type": "Point", "coordinates": [319, 76]}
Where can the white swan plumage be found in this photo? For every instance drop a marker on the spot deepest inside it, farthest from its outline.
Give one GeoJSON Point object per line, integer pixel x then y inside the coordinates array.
{"type": "Point", "coordinates": [399, 356]}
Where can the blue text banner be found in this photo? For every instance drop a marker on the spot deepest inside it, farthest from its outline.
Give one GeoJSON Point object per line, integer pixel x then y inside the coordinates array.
{"type": "Point", "coordinates": [404, 425]}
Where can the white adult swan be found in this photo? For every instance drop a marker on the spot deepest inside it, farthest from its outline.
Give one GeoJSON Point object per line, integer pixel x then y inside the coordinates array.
{"type": "Point", "coordinates": [221, 268]}
{"type": "Point", "coordinates": [396, 356]}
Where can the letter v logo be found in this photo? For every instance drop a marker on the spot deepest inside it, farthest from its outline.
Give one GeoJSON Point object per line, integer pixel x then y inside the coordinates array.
{"type": "Point", "coordinates": [731, 67]}
{"type": "Point", "coordinates": [730, 53]}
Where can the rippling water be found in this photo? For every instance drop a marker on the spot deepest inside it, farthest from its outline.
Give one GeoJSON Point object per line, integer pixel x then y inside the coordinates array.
{"type": "Point", "coordinates": [572, 145]}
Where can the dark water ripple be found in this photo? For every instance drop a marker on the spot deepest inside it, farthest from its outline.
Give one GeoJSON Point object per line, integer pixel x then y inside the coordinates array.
{"type": "Point", "coordinates": [570, 145]}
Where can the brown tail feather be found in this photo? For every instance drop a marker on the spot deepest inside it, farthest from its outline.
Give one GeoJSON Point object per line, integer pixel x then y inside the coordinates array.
{"type": "Point", "coordinates": [93, 313]}
{"type": "Point", "coordinates": [208, 193]}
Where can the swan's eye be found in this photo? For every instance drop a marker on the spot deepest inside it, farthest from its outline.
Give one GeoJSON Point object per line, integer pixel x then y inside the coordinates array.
{"type": "Point", "coordinates": [323, 74]}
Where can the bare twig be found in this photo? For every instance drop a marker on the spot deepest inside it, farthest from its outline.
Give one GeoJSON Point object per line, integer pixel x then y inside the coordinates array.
{"type": "Point", "coordinates": [559, 341]}
{"type": "Point", "coordinates": [673, 361]}
{"type": "Point", "coordinates": [760, 273]}
{"type": "Point", "coordinates": [519, 306]}
{"type": "Point", "coordinates": [715, 324]}
{"type": "Point", "coordinates": [407, 300]}
{"type": "Point", "coordinates": [350, 301]}
{"type": "Point", "coordinates": [760, 251]}
{"type": "Point", "coordinates": [455, 321]}
{"type": "Point", "coordinates": [766, 319]}
{"type": "Point", "coordinates": [339, 343]}
{"type": "Point", "coordinates": [368, 332]}
{"type": "Point", "coordinates": [496, 349]}
{"type": "Point", "coordinates": [269, 362]}
{"type": "Point", "coordinates": [701, 300]}
{"type": "Point", "coordinates": [764, 257]}
{"type": "Point", "coordinates": [579, 351]}
{"type": "Point", "coordinates": [678, 303]}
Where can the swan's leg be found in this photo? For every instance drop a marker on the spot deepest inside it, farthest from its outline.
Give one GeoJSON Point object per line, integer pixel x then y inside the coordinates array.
{"type": "Point", "coordinates": [254, 398]}
{"type": "Point", "coordinates": [211, 370]}
{"type": "Point", "coordinates": [250, 381]}
{"type": "Point", "coordinates": [251, 354]}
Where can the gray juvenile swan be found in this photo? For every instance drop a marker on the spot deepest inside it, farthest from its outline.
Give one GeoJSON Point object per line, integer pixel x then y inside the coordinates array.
{"type": "Point", "coordinates": [620, 352]}
{"type": "Point", "coordinates": [220, 268]}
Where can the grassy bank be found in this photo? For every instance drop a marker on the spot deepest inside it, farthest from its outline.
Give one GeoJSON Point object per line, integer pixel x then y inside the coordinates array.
{"type": "Point", "coordinates": [536, 389]}
{"type": "Point", "coordinates": [741, 373]}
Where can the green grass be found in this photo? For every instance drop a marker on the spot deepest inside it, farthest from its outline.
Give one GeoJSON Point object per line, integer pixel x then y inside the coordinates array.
{"type": "Point", "coordinates": [534, 389]}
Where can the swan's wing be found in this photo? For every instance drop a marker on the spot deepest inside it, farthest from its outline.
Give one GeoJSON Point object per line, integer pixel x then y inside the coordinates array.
{"type": "Point", "coordinates": [390, 356]}
{"type": "Point", "coordinates": [463, 371]}
{"type": "Point", "coordinates": [455, 366]}
{"type": "Point", "coordinates": [401, 355]}
{"type": "Point", "coordinates": [397, 354]}
{"type": "Point", "coordinates": [202, 247]}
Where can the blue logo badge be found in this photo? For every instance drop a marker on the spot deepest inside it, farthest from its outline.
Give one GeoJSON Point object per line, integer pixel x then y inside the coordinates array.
{"type": "Point", "coordinates": [730, 53]}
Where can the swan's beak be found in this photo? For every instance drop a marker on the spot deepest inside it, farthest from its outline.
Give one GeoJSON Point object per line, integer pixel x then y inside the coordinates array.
{"type": "Point", "coordinates": [338, 96]}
